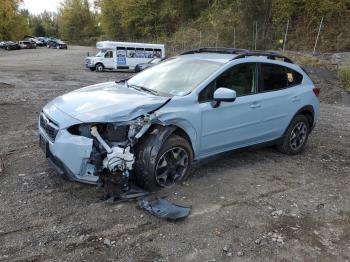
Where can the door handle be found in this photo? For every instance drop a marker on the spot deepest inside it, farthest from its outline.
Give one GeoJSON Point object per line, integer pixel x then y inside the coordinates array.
{"type": "Point", "coordinates": [295, 98]}
{"type": "Point", "coordinates": [255, 105]}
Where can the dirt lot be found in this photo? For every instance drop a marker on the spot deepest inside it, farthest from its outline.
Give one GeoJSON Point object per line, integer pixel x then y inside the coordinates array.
{"type": "Point", "coordinates": [248, 205]}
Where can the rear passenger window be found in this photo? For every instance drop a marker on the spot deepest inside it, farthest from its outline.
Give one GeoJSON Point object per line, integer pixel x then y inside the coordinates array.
{"type": "Point", "coordinates": [294, 78]}
{"type": "Point", "coordinates": [275, 77]}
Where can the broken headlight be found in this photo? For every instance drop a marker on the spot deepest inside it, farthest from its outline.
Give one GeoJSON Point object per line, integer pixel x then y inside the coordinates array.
{"type": "Point", "coordinates": [109, 131]}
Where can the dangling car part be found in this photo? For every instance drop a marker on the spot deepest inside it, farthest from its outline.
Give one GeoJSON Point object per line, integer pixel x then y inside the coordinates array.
{"type": "Point", "coordinates": [163, 208]}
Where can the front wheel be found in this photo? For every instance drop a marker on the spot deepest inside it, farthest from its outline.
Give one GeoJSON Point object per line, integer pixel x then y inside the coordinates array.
{"type": "Point", "coordinates": [99, 68]}
{"type": "Point", "coordinates": [171, 164]}
{"type": "Point", "coordinates": [296, 136]}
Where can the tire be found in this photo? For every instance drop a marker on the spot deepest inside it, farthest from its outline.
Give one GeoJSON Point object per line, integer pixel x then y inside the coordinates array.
{"type": "Point", "coordinates": [295, 138]}
{"type": "Point", "coordinates": [137, 69]}
{"type": "Point", "coordinates": [99, 67]}
{"type": "Point", "coordinates": [92, 68]}
{"type": "Point", "coordinates": [151, 171]}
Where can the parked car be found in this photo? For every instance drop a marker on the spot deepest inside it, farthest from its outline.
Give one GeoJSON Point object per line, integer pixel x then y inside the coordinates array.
{"type": "Point", "coordinates": [190, 107]}
{"type": "Point", "coordinates": [56, 43]}
{"type": "Point", "coordinates": [9, 45]}
{"type": "Point", "coordinates": [33, 40]}
{"type": "Point", "coordinates": [153, 62]}
{"type": "Point", "coordinates": [44, 40]}
{"type": "Point", "coordinates": [27, 44]}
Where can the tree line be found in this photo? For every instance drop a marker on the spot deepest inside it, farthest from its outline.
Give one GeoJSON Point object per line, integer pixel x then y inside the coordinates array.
{"type": "Point", "coordinates": [257, 24]}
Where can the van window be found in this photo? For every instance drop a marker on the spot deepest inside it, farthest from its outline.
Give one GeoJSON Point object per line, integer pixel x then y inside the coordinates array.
{"type": "Point", "coordinates": [140, 53]}
{"type": "Point", "coordinates": [157, 53]}
{"type": "Point", "coordinates": [109, 54]}
{"type": "Point", "coordinates": [149, 52]}
{"type": "Point", "coordinates": [130, 52]}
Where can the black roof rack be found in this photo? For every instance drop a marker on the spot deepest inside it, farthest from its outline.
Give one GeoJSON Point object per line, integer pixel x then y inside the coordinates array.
{"type": "Point", "coordinates": [241, 53]}
{"type": "Point", "coordinates": [220, 50]}
{"type": "Point", "coordinates": [269, 55]}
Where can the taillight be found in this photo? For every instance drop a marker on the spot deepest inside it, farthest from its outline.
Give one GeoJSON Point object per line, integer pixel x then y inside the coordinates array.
{"type": "Point", "coordinates": [317, 91]}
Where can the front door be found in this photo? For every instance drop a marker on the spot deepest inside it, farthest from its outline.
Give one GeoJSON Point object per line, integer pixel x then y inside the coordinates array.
{"type": "Point", "coordinates": [232, 124]}
{"type": "Point", "coordinates": [108, 60]}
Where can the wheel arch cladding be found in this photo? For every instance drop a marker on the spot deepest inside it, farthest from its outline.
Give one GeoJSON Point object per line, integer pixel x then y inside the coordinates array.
{"type": "Point", "coordinates": [146, 150]}
{"type": "Point", "coordinates": [309, 112]}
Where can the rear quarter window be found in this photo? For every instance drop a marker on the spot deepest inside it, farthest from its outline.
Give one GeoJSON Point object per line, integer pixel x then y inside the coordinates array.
{"type": "Point", "coordinates": [276, 77]}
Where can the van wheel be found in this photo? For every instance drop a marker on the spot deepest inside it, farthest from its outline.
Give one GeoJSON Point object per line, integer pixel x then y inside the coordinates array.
{"type": "Point", "coordinates": [295, 138]}
{"type": "Point", "coordinates": [170, 165]}
{"type": "Point", "coordinates": [99, 68]}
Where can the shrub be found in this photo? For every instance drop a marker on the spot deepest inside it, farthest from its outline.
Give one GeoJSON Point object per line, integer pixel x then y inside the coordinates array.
{"type": "Point", "coordinates": [344, 76]}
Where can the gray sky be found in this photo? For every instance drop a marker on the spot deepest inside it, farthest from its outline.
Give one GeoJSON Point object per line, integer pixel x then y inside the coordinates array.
{"type": "Point", "coordinates": [39, 6]}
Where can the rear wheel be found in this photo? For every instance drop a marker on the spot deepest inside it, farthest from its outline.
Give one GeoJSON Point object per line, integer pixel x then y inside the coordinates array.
{"type": "Point", "coordinates": [295, 138]}
{"type": "Point", "coordinates": [99, 67]}
{"type": "Point", "coordinates": [171, 164]}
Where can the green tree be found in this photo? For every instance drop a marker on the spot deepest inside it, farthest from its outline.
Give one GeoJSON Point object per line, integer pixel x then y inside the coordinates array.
{"type": "Point", "coordinates": [13, 22]}
{"type": "Point", "coordinates": [76, 21]}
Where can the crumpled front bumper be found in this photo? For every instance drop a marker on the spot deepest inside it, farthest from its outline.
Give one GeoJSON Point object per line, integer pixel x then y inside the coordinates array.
{"type": "Point", "coordinates": [69, 154]}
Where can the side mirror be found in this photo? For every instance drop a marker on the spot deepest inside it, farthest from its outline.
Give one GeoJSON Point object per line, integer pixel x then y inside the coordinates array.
{"type": "Point", "coordinates": [223, 94]}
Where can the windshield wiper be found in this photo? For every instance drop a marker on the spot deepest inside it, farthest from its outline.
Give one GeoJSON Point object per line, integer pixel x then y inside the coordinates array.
{"type": "Point", "coordinates": [153, 92]}
{"type": "Point", "coordinates": [122, 80]}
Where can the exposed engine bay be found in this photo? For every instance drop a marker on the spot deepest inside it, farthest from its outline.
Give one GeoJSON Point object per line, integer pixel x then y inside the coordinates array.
{"type": "Point", "coordinates": [112, 156]}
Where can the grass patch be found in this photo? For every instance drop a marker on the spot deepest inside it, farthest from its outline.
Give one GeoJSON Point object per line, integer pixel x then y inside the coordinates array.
{"type": "Point", "coordinates": [344, 76]}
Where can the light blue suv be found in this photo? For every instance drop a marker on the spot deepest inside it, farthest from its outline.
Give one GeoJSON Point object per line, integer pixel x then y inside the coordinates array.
{"type": "Point", "coordinates": [151, 127]}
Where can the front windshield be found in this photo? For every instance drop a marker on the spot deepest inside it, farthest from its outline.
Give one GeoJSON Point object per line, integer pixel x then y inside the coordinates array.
{"type": "Point", "coordinates": [101, 53]}
{"type": "Point", "coordinates": [176, 76]}
{"type": "Point", "coordinates": [155, 61]}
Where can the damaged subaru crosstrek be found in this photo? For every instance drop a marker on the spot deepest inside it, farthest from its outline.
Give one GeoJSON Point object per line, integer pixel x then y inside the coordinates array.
{"type": "Point", "coordinates": [151, 127]}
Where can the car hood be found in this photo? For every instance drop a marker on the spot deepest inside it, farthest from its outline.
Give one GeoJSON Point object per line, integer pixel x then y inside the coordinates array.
{"type": "Point", "coordinates": [106, 102]}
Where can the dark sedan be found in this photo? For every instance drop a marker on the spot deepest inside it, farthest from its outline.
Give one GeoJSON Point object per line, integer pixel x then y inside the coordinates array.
{"type": "Point", "coordinates": [56, 43]}
{"type": "Point", "coordinates": [9, 45]}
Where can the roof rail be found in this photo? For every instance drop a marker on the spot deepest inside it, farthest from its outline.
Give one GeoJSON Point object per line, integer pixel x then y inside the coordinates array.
{"type": "Point", "coordinates": [269, 55]}
{"type": "Point", "coordinates": [220, 50]}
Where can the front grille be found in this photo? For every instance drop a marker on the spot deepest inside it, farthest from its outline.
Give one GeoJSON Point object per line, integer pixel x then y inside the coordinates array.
{"type": "Point", "coordinates": [48, 126]}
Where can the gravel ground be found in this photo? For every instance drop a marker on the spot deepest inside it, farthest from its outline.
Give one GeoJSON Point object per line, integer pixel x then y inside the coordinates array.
{"type": "Point", "coordinates": [255, 205]}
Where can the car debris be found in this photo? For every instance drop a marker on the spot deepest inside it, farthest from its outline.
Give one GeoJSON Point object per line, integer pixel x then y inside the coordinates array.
{"type": "Point", "coordinates": [163, 208]}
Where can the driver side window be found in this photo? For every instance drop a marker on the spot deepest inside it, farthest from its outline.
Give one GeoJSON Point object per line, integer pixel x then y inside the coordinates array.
{"type": "Point", "coordinates": [109, 54]}
{"type": "Point", "coordinates": [242, 78]}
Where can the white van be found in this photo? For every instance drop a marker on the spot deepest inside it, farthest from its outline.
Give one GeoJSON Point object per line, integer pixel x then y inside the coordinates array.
{"type": "Point", "coordinates": [123, 55]}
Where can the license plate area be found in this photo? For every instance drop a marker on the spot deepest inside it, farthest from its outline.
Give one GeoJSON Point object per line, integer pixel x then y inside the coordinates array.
{"type": "Point", "coordinates": [44, 145]}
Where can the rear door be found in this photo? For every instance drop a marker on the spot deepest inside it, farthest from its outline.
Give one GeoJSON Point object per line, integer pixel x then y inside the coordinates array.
{"type": "Point", "coordinates": [278, 92]}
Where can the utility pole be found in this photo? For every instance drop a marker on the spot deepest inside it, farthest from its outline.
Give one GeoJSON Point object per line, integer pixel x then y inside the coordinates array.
{"type": "Point", "coordinates": [183, 40]}
{"type": "Point", "coordinates": [253, 36]}
{"type": "Point", "coordinates": [200, 38]}
{"type": "Point", "coordinates": [234, 37]}
{"type": "Point", "coordinates": [318, 35]}
{"type": "Point", "coordinates": [285, 36]}
{"type": "Point", "coordinates": [256, 34]}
